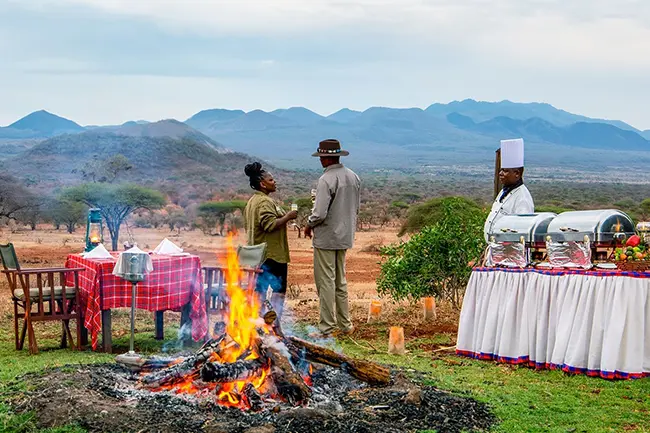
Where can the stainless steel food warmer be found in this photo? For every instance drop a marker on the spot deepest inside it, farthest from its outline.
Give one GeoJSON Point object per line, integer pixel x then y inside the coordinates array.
{"type": "Point", "coordinates": [603, 228]}
{"type": "Point", "coordinates": [518, 240]}
{"type": "Point", "coordinates": [533, 228]}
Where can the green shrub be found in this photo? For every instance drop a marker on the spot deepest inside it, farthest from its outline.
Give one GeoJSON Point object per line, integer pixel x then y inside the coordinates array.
{"type": "Point", "coordinates": [435, 261]}
{"type": "Point", "coordinates": [427, 213]}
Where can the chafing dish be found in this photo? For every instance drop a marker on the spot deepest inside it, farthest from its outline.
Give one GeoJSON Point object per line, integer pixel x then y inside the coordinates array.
{"type": "Point", "coordinates": [517, 240]}
{"type": "Point", "coordinates": [532, 227]}
{"type": "Point", "coordinates": [599, 230]}
{"type": "Point", "coordinates": [602, 227]}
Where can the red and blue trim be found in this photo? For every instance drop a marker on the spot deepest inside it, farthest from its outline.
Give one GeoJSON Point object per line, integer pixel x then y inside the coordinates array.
{"type": "Point", "coordinates": [526, 361]}
{"type": "Point", "coordinates": [560, 272]}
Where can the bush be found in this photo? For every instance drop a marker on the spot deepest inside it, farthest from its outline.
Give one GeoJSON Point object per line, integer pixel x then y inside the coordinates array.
{"type": "Point", "coordinates": [429, 212]}
{"type": "Point", "coordinates": [435, 261]}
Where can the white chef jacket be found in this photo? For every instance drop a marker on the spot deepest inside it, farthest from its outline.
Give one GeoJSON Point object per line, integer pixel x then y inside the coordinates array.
{"type": "Point", "coordinates": [518, 201]}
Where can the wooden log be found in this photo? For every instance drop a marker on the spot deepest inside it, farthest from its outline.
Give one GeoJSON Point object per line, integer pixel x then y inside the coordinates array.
{"type": "Point", "coordinates": [189, 366]}
{"type": "Point", "coordinates": [231, 372]}
{"type": "Point", "coordinates": [252, 397]}
{"type": "Point", "coordinates": [363, 370]}
{"type": "Point", "coordinates": [287, 380]}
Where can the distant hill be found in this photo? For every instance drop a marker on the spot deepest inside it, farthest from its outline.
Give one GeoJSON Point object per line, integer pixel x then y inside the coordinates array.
{"type": "Point", "coordinates": [460, 133]}
{"type": "Point", "coordinates": [580, 134]}
{"type": "Point", "coordinates": [383, 137]}
{"type": "Point", "coordinates": [298, 115]}
{"type": "Point", "coordinates": [40, 124]}
{"type": "Point", "coordinates": [165, 128]}
{"type": "Point", "coordinates": [481, 111]}
{"type": "Point", "coordinates": [194, 169]}
{"type": "Point", "coordinates": [344, 115]}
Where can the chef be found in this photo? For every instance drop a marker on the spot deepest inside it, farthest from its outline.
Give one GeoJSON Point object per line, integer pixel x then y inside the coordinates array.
{"type": "Point", "coordinates": [514, 198]}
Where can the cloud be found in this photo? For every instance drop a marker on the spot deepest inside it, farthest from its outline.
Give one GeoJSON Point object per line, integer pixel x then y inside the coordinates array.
{"type": "Point", "coordinates": [579, 34]}
{"type": "Point", "coordinates": [588, 56]}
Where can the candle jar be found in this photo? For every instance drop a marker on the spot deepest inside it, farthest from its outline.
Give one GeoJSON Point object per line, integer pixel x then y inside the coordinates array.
{"type": "Point", "coordinates": [396, 340]}
{"type": "Point", "coordinates": [374, 311]}
{"type": "Point", "coordinates": [429, 308]}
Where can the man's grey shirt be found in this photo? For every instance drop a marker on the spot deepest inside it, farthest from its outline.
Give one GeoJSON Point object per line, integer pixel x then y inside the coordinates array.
{"type": "Point", "coordinates": [334, 217]}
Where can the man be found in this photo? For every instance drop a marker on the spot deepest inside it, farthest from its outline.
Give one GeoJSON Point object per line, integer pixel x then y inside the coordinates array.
{"type": "Point", "coordinates": [333, 221]}
{"type": "Point", "coordinates": [514, 198]}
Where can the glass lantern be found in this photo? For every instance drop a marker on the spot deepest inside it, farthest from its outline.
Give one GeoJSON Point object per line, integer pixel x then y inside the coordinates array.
{"type": "Point", "coordinates": [94, 229]}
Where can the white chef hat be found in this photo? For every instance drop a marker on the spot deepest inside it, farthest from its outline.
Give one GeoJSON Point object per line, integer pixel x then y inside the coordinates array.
{"type": "Point", "coordinates": [512, 153]}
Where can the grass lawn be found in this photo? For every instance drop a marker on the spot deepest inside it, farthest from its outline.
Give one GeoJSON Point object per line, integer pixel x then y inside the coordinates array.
{"type": "Point", "coordinates": [524, 400]}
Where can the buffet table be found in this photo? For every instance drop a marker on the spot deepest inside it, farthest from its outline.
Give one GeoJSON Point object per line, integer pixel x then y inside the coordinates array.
{"type": "Point", "coordinates": [591, 322]}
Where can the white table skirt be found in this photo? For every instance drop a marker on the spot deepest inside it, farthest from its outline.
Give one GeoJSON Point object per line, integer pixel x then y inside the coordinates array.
{"type": "Point", "coordinates": [593, 323]}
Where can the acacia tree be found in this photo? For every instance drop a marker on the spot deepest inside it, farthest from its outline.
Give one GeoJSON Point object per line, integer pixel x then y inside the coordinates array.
{"type": "Point", "coordinates": [115, 202]}
{"type": "Point", "coordinates": [215, 213]}
{"type": "Point", "coordinates": [304, 210]}
{"type": "Point", "coordinates": [107, 170]}
{"type": "Point", "coordinates": [69, 213]}
{"type": "Point", "coordinates": [14, 197]}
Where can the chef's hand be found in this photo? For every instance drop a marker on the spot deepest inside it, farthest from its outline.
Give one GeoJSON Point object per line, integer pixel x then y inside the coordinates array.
{"type": "Point", "coordinates": [308, 232]}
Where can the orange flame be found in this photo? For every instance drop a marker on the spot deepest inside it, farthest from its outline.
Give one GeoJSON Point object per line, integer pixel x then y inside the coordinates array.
{"type": "Point", "coordinates": [243, 324]}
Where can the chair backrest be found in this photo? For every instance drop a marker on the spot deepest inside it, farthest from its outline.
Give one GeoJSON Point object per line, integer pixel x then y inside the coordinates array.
{"type": "Point", "coordinates": [9, 258]}
{"type": "Point", "coordinates": [251, 256]}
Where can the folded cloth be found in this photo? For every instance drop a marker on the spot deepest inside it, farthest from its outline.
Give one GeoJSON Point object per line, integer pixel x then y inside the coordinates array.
{"type": "Point", "coordinates": [99, 252]}
{"type": "Point", "coordinates": [124, 266]}
{"type": "Point", "coordinates": [167, 247]}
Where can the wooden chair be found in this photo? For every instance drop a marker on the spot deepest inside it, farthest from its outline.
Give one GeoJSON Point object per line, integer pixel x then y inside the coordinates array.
{"type": "Point", "coordinates": [250, 261]}
{"type": "Point", "coordinates": [49, 299]}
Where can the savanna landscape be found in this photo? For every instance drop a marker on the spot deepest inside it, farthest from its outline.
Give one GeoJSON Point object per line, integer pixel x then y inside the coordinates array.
{"type": "Point", "coordinates": [521, 399]}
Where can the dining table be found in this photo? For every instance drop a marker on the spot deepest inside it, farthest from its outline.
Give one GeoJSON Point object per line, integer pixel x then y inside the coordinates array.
{"type": "Point", "coordinates": [175, 284]}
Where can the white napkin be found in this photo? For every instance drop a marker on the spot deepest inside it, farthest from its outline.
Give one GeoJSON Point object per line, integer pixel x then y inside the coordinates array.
{"type": "Point", "coordinates": [121, 267]}
{"type": "Point", "coordinates": [167, 247]}
{"type": "Point", "coordinates": [99, 252]}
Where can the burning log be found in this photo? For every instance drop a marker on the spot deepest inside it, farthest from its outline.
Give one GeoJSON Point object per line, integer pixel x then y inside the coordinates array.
{"type": "Point", "coordinates": [253, 397]}
{"type": "Point", "coordinates": [189, 366]}
{"type": "Point", "coordinates": [365, 371]}
{"type": "Point", "coordinates": [231, 372]}
{"type": "Point", "coordinates": [287, 380]}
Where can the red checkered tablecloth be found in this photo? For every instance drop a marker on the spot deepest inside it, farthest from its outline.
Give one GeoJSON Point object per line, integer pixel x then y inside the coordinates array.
{"type": "Point", "coordinates": [174, 282]}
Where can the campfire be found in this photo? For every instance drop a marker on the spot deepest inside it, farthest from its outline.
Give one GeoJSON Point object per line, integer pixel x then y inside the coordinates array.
{"type": "Point", "coordinates": [248, 376]}
{"type": "Point", "coordinates": [248, 362]}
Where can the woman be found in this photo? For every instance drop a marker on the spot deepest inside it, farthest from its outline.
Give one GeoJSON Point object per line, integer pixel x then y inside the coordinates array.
{"type": "Point", "coordinates": [266, 221]}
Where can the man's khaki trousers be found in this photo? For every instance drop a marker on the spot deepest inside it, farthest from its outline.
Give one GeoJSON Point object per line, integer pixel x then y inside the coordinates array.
{"type": "Point", "coordinates": [332, 288]}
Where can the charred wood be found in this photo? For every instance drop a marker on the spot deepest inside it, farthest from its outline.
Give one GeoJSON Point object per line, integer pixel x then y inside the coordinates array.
{"type": "Point", "coordinates": [365, 371]}
{"type": "Point", "coordinates": [252, 397]}
{"type": "Point", "coordinates": [286, 379]}
{"type": "Point", "coordinates": [189, 366]}
{"type": "Point", "coordinates": [231, 372]}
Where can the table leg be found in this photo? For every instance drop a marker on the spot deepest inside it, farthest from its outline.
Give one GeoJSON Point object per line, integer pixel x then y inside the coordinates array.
{"type": "Point", "coordinates": [84, 336]}
{"type": "Point", "coordinates": [187, 323]}
{"type": "Point", "coordinates": [159, 319]}
{"type": "Point", "coordinates": [107, 337]}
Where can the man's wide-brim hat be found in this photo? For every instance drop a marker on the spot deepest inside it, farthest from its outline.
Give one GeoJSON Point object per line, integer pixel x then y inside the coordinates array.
{"type": "Point", "coordinates": [330, 147]}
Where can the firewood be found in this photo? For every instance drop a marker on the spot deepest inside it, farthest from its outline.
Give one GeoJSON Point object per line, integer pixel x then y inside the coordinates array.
{"type": "Point", "coordinates": [189, 366]}
{"type": "Point", "coordinates": [365, 371]}
{"type": "Point", "coordinates": [232, 371]}
{"type": "Point", "coordinates": [252, 397]}
{"type": "Point", "coordinates": [287, 380]}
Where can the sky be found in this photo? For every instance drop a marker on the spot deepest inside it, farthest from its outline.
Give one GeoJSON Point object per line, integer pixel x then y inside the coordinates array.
{"type": "Point", "coordinates": [110, 61]}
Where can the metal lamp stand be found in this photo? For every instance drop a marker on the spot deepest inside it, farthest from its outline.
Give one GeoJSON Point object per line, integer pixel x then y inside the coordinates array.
{"type": "Point", "coordinates": [136, 274]}
{"type": "Point", "coordinates": [131, 359]}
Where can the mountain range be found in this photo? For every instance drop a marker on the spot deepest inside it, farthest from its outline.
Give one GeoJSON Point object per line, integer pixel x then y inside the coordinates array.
{"type": "Point", "coordinates": [458, 133]}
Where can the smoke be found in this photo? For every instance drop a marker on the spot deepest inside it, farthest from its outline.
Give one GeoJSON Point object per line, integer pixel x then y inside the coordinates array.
{"type": "Point", "coordinates": [183, 335]}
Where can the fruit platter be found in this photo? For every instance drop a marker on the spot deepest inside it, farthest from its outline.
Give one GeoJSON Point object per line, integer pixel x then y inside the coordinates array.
{"type": "Point", "coordinates": [634, 256]}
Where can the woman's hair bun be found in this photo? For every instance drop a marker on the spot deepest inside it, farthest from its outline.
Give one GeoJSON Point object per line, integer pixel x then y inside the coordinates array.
{"type": "Point", "coordinates": [254, 169]}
